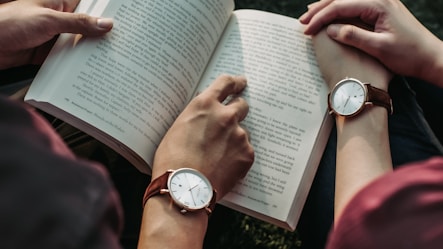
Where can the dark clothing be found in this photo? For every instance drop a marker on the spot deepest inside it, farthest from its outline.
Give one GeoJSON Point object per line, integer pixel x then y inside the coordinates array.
{"type": "Point", "coordinates": [403, 209]}
{"type": "Point", "coordinates": [50, 198]}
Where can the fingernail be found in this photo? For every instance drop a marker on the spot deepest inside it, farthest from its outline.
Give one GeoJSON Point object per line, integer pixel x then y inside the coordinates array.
{"type": "Point", "coordinates": [332, 30]}
{"type": "Point", "coordinates": [105, 23]}
{"type": "Point", "coordinates": [303, 17]}
{"type": "Point", "coordinates": [243, 78]}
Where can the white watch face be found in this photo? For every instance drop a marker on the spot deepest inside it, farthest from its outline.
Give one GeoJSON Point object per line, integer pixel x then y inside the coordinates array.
{"type": "Point", "coordinates": [348, 97]}
{"type": "Point", "coordinates": [190, 189]}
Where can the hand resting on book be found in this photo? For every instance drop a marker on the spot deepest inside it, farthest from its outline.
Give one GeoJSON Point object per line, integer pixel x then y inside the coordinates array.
{"type": "Point", "coordinates": [393, 30]}
{"type": "Point", "coordinates": [207, 136]}
{"type": "Point", "coordinates": [337, 62]}
{"type": "Point", "coordinates": [28, 28]}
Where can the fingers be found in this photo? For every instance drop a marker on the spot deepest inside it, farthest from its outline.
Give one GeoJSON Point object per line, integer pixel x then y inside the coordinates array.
{"type": "Point", "coordinates": [240, 106]}
{"type": "Point", "coordinates": [79, 23]}
{"type": "Point", "coordinates": [313, 9]}
{"type": "Point", "coordinates": [225, 86]}
{"type": "Point", "coordinates": [60, 5]}
{"type": "Point", "coordinates": [325, 13]}
{"type": "Point", "coordinates": [70, 5]}
{"type": "Point", "coordinates": [360, 38]}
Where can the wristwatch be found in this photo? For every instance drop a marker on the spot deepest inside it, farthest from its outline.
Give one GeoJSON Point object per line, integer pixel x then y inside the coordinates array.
{"type": "Point", "coordinates": [189, 189]}
{"type": "Point", "coordinates": [350, 96]}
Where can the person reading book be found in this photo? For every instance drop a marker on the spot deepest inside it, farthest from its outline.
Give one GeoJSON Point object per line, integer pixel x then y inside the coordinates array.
{"type": "Point", "coordinates": [410, 135]}
{"type": "Point", "coordinates": [126, 88]}
{"type": "Point", "coordinates": [363, 153]}
{"type": "Point", "coordinates": [363, 156]}
{"type": "Point", "coordinates": [73, 202]}
{"type": "Point", "coordinates": [111, 201]}
{"type": "Point", "coordinates": [376, 207]}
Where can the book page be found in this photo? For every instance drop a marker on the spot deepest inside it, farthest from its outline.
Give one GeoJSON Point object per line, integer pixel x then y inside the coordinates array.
{"type": "Point", "coordinates": [288, 105]}
{"type": "Point", "coordinates": [133, 82]}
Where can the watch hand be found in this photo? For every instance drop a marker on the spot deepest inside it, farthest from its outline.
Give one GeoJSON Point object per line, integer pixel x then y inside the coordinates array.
{"type": "Point", "coordinates": [194, 186]}
{"type": "Point", "coordinates": [190, 189]}
{"type": "Point", "coordinates": [347, 100]}
{"type": "Point", "coordinates": [192, 192]}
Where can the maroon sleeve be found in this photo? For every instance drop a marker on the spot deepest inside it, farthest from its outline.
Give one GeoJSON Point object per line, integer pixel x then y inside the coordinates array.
{"type": "Point", "coordinates": [403, 209]}
{"type": "Point", "coordinates": [50, 199]}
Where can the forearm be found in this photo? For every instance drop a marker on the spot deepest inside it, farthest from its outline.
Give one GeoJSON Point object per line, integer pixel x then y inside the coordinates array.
{"type": "Point", "coordinates": [432, 72]}
{"type": "Point", "coordinates": [163, 226]}
{"type": "Point", "coordinates": [363, 153]}
{"type": "Point", "coordinates": [208, 138]}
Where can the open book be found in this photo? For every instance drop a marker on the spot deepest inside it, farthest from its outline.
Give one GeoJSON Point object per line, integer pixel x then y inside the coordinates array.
{"type": "Point", "coordinates": [126, 88]}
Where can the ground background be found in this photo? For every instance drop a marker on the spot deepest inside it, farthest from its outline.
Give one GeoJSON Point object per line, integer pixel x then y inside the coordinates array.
{"type": "Point", "coordinates": [240, 231]}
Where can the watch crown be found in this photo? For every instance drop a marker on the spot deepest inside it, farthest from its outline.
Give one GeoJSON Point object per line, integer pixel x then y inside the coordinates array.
{"type": "Point", "coordinates": [208, 210]}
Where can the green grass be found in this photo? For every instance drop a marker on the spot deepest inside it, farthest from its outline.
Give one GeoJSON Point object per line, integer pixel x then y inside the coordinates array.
{"type": "Point", "coordinates": [231, 229]}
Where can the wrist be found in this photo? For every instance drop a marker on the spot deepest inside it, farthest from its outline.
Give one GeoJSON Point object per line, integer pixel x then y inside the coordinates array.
{"type": "Point", "coordinates": [350, 97]}
{"type": "Point", "coordinates": [164, 226]}
{"type": "Point", "coordinates": [432, 67]}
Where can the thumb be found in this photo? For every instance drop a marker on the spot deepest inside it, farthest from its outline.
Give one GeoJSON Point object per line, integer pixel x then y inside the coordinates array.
{"type": "Point", "coordinates": [79, 23]}
{"type": "Point", "coordinates": [360, 38]}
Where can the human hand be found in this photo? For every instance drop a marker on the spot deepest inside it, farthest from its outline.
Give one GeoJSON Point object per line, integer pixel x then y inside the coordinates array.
{"type": "Point", "coordinates": [395, 36]}
{"type": "Point", "coordinates": [28, 26]}
{"type": "Point", "coordinates": [207, 136]}
{"type": "Point", "coordinates": [337, 61]}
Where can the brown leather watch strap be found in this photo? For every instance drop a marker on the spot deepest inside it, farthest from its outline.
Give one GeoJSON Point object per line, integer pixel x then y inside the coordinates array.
{"type": "Point", "coordinates": [379, 97]}
{"type": "Point", "coordinates": [155, 186]}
